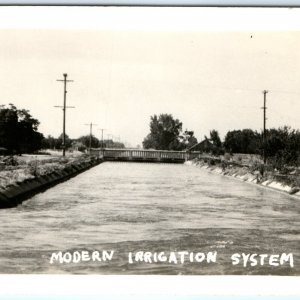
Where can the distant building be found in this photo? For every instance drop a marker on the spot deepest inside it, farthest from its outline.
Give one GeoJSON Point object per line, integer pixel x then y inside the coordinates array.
{"type": "Point", "coordinates": [205, 146]}
{"type": "Point", "coordinates": [78, 146]}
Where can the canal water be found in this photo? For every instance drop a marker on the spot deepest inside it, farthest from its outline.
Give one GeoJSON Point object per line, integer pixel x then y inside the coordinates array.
{"type": "Point", "coordinates": [131, 207]}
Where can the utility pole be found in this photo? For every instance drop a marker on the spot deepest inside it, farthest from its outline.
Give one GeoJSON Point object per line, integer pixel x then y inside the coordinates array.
{"type": "Point", "coordinates": [102, 129]}
{"type": "Point", "coordinates": [64, 107]}
{"type": "Point", "coordinates": [91, 128]}
{"type": "Point", "coordinates": [108, 138]}
{"type": "Point", "coordinates": [264, 130]}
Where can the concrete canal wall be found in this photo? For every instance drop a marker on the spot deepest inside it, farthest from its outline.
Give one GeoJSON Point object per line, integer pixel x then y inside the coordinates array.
{"type": "Point", "coordinates": [16, 193]}
{"type": "Point", "coordinates": [244, 174]}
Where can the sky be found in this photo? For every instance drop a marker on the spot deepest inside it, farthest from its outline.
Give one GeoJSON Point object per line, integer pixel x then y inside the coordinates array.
{"type": "Point", "coordinates": [205, 66]}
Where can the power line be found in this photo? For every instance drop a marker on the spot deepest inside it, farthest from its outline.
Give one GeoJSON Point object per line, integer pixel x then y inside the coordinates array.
{"type": "Point", "coordinates": [285, 92]}
{"type": "Point", "coordinates": [245, 89]}
{"type": "Point", "coordinates": [279, 114]}
{"type": "Point", "coordinates": [64, 107]}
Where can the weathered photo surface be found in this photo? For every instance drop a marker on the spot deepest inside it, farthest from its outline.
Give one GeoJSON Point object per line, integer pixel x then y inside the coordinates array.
{"type": "Point", "coordinates": [149, 141]}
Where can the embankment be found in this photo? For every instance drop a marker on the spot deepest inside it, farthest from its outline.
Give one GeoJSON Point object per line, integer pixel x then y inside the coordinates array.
{"type": "Point", "coordinates": [270, 180]}
{"type": "Point", "coordinates": [17, 192]}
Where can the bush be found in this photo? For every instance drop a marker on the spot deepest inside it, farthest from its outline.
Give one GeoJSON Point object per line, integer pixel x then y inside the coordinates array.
{"type": "Point", "coordinates": [33, 168]}
{"type": "Point", "coordinates": [227, 156]}
{"type": "Point", "coordinates": [212, 162]}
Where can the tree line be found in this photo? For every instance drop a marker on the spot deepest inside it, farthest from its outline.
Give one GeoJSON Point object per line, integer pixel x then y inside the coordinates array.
{"type": "Point", "coordinates": [81, 144]}
{"type": "Point", "coordinates": [281, 145]}
{"type": "Point", "coordinates": [19, 134]}
{"type": "Point", "coordinates": [18, 130]}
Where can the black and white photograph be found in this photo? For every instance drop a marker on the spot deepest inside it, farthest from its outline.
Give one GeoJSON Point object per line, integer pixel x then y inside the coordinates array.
{"type": "Point", "coordinates": [149, 141]}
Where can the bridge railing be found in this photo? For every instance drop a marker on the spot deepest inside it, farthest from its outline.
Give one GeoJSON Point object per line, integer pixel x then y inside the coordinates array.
{"type": "Point", "coordinates": [144, 154]}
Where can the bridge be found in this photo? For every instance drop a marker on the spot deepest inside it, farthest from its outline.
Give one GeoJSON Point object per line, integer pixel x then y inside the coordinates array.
{"type": "Point", "coordinates": [141, 155]}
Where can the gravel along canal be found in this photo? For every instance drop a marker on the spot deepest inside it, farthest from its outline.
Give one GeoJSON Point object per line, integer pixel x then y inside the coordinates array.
{"type": "Point", "coordinates": [143, 218]}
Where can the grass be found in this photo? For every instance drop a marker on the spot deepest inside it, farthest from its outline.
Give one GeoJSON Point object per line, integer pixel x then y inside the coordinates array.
{"type": "Point", "coordinates": [19, 168]}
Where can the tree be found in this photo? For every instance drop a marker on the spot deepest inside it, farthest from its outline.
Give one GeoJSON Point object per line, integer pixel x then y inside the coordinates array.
{"type": "Point", "coordinates": [282, 146]}
{"type": "Point", "coordinates": [149, 142]}
{"type": "Point", "coordinates": [18, 130]}
{"type": "Point", "coordinates": [165, 134]}
{"type": "Point", "coordinates": [187, 140]}
{"type": "Point", "coordinates": [243, 141]}
{"type": "Point", "coordinates": [85, 140]}
{"type": "Point", "coordinates": [50, 142]}
{"type": "Point", "coordinates": [215, 138]}
{"type": "Point", "coordinates": [216, 147]}
{"type": "Point", "coordinates": [68, 142]}
{"type": "Point", "coordinates": [118, 145]}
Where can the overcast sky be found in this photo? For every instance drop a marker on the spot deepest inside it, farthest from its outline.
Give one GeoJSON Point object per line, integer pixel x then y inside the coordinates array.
{"type": "Point", "coordinates": [206, 67]}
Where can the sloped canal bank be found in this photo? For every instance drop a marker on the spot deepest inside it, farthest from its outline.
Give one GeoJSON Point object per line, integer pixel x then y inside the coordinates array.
{"type": "Point", "coordinates": [38, 177]}
{"type": "Point", "coordinates": [288, 183]}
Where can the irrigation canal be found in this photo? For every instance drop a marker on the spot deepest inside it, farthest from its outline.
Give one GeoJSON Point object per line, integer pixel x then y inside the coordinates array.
{"type": "Point", "coordinates": [131, 207]}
